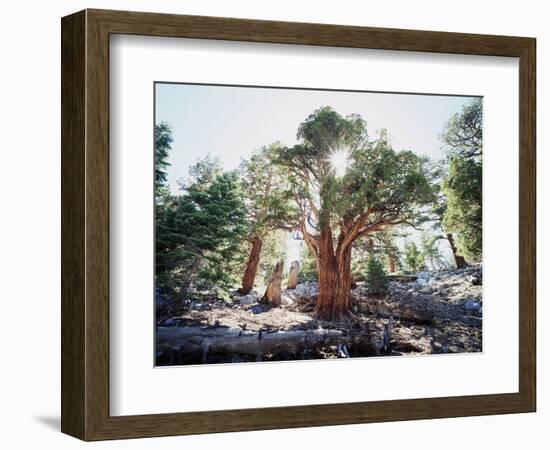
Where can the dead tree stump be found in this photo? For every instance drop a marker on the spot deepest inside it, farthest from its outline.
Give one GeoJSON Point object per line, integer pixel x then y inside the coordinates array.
{"type": "Point", "coordinates": [293, 275]}
{"type": "Point", "coordinates": [272, 294]}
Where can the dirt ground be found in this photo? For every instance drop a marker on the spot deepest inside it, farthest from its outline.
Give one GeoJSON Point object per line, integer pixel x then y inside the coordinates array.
{"type": "Point", "coordinates": [437, 312]}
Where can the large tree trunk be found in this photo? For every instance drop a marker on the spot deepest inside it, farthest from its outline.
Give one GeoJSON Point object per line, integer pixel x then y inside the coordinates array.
{"type": "Point", "coordinates": [459, 260]}
{"type": "Point", "coordinates": [334, 299]}
{"type": "Point", "coordinates": [293, 275]}
{"type": "Point", "coordinates": [251, 266]}
{"type": "Point", "coordinates": [272, 294]}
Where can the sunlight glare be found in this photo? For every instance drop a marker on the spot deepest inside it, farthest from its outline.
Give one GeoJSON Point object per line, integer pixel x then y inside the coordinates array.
{"type": "Point", "coordinates": [339, 162]}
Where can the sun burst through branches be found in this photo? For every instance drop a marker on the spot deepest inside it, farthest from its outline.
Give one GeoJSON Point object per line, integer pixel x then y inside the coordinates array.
{"type": "Point", "coordinates": [339, 162]}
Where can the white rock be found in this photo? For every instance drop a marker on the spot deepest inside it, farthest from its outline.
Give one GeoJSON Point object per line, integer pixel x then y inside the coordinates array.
{"type": "Point", "coordinates": [286, 300]}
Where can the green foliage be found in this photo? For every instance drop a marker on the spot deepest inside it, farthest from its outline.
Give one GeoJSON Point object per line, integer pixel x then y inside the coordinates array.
{"type": "Point", "coordinates": [163, 142]}
{"type": "Point", "coordinates": [430, 250]}
{"type": "Point", "coordinates": [462, 185]}
{"type": "Point", "coordinates": [463, 188]}
{"type": "Point", "coordinates": [201, 174]}
{"type": "Point", "coordinates": [308, 267]}
{"type": "Point", "coordinates": [198, 233]}
{"type": "Point", "coordinates": [376, 278]}
{"type": "Point", "coordinates": [413, 258]}
{"type": "Point", "coordinates": [273, 251]}
{"type": "Point", "coordinates": [387, 185]}
{"type": "Point", "coordinates": [269, 202]}
{"type": "Point", "coordinates": [463, 134]}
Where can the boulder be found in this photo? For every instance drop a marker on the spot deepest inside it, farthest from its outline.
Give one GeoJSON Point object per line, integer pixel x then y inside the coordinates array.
{"type": "Point", "coordinates": [472, 305]}
{"type": "Point", "coordinates": [246, 300]}
{"type": "Point", "coordinates": [258, 309]}
{"type": "Point", "coordinates": [171, 322]}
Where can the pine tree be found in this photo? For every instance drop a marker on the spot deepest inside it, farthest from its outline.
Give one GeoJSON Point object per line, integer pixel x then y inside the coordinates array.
{"type": "Point", "coordinates": [198, 233]}
{"type": "Point", "coordinates": [163, 142]}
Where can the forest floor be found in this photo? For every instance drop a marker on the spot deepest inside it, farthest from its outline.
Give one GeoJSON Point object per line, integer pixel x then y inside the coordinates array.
{"type": "Point", "coordinates": [429, 313]}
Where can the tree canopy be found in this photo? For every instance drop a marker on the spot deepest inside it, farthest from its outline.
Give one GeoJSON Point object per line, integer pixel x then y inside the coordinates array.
{"type": "Point", "coordinates": [377, 188]}
{"type": "Point", "coordinates": [199, 231]}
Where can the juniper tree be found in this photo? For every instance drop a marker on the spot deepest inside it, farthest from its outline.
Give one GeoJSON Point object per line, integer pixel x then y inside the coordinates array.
{"type": "Point", "coordinates": [347, 187]}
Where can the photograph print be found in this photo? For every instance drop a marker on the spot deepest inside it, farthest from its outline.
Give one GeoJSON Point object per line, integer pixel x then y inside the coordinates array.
{"type": "Point", "coordinates": [304, 224]}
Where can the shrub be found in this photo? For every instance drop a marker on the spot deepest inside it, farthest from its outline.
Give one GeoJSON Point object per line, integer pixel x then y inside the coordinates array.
{"type": "Point", "coordinates": [375, 277]}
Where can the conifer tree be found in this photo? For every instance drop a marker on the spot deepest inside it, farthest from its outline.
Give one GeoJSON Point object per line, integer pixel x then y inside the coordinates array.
{"type": "Point", "coordinates": [348, 187]}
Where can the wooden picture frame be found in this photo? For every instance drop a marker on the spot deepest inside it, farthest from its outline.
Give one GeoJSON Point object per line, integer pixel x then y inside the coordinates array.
{"type": "Point", "coordinates": [85, 224]}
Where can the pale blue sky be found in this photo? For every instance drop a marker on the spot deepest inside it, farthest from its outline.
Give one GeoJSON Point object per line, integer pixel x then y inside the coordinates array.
{"type": "Point", "coordinates": [231, 122]}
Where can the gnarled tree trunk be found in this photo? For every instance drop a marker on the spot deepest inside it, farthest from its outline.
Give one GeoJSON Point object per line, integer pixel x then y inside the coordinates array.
{"type": "Point", "coordinates": [334, 299]}
{"type": "Point", "coordinates": [293, 275]}
{"type": "Point", "coordinates": [459, 260]}
{"type": "Point", "coordinates": [251, 266]}
{"type": "Point", "coordinates": [272, 294]}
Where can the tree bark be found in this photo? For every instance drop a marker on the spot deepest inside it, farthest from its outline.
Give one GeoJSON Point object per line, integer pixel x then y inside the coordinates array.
{"type": "Point", "coordinates": [459, 260]}
{"type": "Point", "coordinates": [293, 275]}
{"type": "Point", "coordinates": [236, 341]}
{"type": "Point", "coordinates": [251, 266]}
{"type": "Point", "coordinates": [391, 261]}
{"type": "Point", "coordinates": [272, 294]}
{"type": "Point", "coordinates": [334, 300]}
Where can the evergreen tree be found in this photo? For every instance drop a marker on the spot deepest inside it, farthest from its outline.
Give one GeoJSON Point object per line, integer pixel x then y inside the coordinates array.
{"type": "Point", "coordinates": [273, 251]}
{"type": "Point", "coordinates": [438, 171]}
{"type": "Point", "coordinates": [308, 266]}
{"type": "Point", "coordinates": [413, 258]}
{"type": "Point", "coordinates": [462, 185]}
{"type": "Point", "coordinates": [347, 187]}
{"type": "Point", "coordinates": [375, 277]}
{"type": "Point", "coordinates": [268, 206]}
{"type": "Point", "coordinates": [163, 142]}
{"type": "Point", "coordinates": [198, 233]}
{"type": "Point", "coordinates": [430, 250]}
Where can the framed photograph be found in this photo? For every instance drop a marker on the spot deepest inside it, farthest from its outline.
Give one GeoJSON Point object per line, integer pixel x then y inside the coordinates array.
{"type": "Point", "coordinates": [273, 225]}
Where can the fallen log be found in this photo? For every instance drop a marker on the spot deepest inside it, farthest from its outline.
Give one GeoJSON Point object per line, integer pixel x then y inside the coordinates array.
{"type": "Point", "coordinates": [237, 341]}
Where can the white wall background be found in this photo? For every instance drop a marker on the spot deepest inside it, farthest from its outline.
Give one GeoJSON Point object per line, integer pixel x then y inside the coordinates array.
{"type": "Point", "coordinates": [30, 225]}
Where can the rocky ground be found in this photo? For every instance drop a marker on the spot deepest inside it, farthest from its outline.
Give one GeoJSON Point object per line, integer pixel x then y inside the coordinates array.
{"type": "Point", "coordinates": [431, 312]}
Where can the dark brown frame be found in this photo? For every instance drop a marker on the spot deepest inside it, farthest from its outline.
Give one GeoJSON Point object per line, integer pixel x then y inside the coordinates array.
{"type": "Point", "coordinates": [85, 224]}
